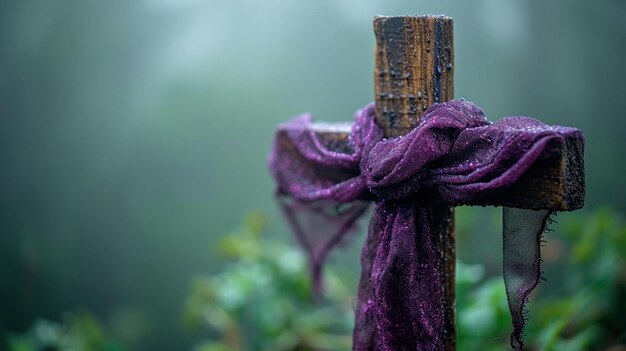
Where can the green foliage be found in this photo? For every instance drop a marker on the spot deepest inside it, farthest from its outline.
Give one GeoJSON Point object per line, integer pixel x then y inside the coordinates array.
{"type": "Point", "coordinates": [77, 332]}
{"type": "Point", "coordinates": [483, 317]}
{"type": "Point", "coordinates": [262, 300]}
{"type": "Point", "coordinates": [584, 307]}
{"type": "Point", "coordinates": [591, 313]}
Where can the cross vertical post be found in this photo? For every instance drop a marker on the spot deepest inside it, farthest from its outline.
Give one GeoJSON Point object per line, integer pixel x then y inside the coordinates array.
{"type": "Point", "coordinates": [414, 69]}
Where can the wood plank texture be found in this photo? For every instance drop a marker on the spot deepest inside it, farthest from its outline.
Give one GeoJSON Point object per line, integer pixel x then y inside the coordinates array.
{"type": "Point", "coordinates": [414, 68]}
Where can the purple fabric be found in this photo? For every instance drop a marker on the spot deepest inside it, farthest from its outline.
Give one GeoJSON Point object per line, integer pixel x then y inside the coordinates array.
{"type": "Point", "coordinates": [454, 156]}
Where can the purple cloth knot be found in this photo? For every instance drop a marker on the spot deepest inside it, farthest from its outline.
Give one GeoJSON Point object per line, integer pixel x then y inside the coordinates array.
{"type": "Point", "coordinates": [454, 156]}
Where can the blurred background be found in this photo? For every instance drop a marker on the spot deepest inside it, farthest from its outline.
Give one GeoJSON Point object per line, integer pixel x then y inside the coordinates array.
{"type": "Point", "coordinates": [134, 138]}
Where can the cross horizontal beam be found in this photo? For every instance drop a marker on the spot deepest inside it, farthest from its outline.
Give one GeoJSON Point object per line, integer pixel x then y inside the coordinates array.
{"type": "Point", "coordinates": [556, 183]}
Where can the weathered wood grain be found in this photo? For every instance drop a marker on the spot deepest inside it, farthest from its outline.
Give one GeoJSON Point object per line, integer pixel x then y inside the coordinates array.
{"type": "Point", "coordinates": [414, 69]}
{"type": "Point", "coordinates": [556, 183]}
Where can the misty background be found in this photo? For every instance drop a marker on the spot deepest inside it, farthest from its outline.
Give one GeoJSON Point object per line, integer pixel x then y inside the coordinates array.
{"type": "Point", "coordinates": [133, 134]}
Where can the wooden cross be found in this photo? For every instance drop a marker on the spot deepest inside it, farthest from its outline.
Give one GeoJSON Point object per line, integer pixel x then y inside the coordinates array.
{"type": "Point", "coordinates": [414, 69]}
